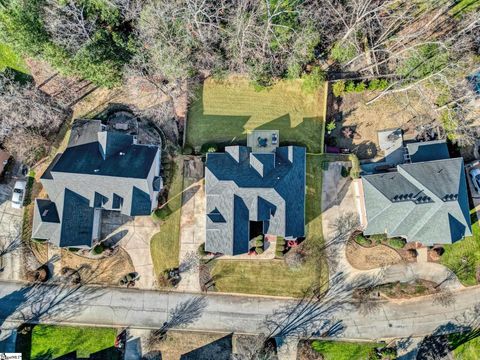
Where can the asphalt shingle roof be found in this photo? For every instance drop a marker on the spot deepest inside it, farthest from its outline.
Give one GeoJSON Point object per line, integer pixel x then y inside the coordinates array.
{"type": "Point", "coordinates": [428, 151]}
{"type": "Point", "coordinates": [422, 201]}
{"type": "Point", "coordinates": [242, 186]}
{"type": "Point", "coordinates": [98, 169]}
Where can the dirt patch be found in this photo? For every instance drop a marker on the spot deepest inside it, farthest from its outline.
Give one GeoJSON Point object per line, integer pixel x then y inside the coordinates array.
{"type": "Point", "coordinates": [195, 346]}
{"type": "Point", "coordinates": [363, 258]}
{"type": "Point", "coordinates": [401, 290]}
{"type": "Point", "coordinates": [389, 112]}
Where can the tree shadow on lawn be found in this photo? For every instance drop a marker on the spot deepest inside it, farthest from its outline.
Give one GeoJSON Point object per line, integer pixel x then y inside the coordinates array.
{"type": "Point", "coordinates": [203, 128]}
{"type": "Point", "coordinates": [226, 130]}
{"type": "Point", "coordinates": [308, 133]}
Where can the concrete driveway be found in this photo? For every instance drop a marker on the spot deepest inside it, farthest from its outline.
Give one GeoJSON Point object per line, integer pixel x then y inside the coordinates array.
{"type": "Point", "coordinates": [192, 223]}
{"type": "Point", "coordinates": [10, 229]}
{"type": "Point", "coordinates": [133, 234]}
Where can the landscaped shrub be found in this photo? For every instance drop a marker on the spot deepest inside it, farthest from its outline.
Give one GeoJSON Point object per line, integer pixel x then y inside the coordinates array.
{"type": "Point", "coordinates": [362, 240]}
{"type": "Point", "coordinates": [98, 249]}
{"type": "Point", "coordinates": [397, 243]}
{"type": "Point", "coordinates": [201, 250]}
{"type": "Point", "coordinates": [279, 254]}
{"type": "Point", "coordinates": [345, 172]}
{"type": "Point", "coordinates": [338, 88]}
{"type": "Point", "coordinates": [377, 238]}
{"type": "Point", "coordinates": [349, 86]}
{"type": "Point", "coordinates": [331, 126]}
{"type": "Point", "coordinates": [259, 243]}
{"type": "Point", "coordinates": [187, 150]}
{"type": "Point", "coordinates": [360, 87]}
{"type": "Point", "coordinates": [377, 84]}
{"type": "Point", "coordinates": [162, 213]}
{"type": "Point", "coordinates": [208, 148]}
{"type": "Point", "coordinates": [259, 250]}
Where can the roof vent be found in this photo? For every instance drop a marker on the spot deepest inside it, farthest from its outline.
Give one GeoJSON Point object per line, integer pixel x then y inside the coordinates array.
{"type": "Point", "coordinates": [45, 213]}
{"type": "Point", "coordinates": [96, 170]}
{"type": "Point", "coordinates": [121, 153]}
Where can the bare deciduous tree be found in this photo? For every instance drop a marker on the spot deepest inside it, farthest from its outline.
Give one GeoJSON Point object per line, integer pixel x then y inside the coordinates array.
{"type": "Point", "coordinates": [67, 24]}
{"type": "Point", "coordinates": [27, 117]}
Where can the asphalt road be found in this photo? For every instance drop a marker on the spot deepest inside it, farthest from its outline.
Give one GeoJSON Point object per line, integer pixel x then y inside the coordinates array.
{"type": "Point", "coordinates": [229, 313]}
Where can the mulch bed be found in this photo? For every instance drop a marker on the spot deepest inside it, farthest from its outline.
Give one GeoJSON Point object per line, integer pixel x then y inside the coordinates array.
{"type": "Point", "coordinates": [400, 290]}
{"type": "Point", "coordinates": [305, 351]}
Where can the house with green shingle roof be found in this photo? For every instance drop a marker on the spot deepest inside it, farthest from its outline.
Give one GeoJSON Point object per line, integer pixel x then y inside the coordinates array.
{"type": "Point", "coordinates": [424, 200]}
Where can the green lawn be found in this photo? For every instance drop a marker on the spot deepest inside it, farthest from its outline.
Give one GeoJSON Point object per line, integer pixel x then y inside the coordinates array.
{"type": "Point", "coordinates": [224, 110]}
{"type": "Point", "coordinates": [165, 245]}
{"type": "Point", "coordinates": [468, 351]}
{"type": "Point", "coordinates": [466, 346]}
{"type": "Point", "coordinates": [51, 342]}
{"type": "Point", "coordinates": [463, 257]}
{"type": "Point", "coordinates": [9, 59]}
{"type": "Point", "coordinates": [273, 277]}
{"type": "Point", "coordinates": [463, 6]}
{"type": "Point", "coordinates": [339, 350]}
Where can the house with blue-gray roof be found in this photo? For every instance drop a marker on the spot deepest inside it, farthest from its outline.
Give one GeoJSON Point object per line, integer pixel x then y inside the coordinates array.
{"type": "Point", "coordinates": [99, 171]}
{"type": "Point", "coordinates": [424, 200]}
{"type": "Point", "coordinates": [253, 192]}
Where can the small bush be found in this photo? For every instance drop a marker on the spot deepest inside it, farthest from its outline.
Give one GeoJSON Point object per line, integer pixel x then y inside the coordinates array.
{"type": "Point", "coordinates": [208, 148]}
{"type": "Point", "coordinates": [360, 87]}
{"type": "Point", "coordinates": [281, 241]}
{"type": "Point", "coordinates": [362, 240]}
{"type": "Point", "coordinates": [162, 213]}
{"type": "Point", "coordinates": [314, 80]}
{"type": "Point", "coordinates": [338, 88]}
{"type": "Point", "coordinates": [98, 249]}
{"type": "Point", "coordinates": [73, 249]}
{"type": "Point", "coordinates": [201, 250]}
{"type": "Point", "coordinates": [259, 250]}
{"type": "Point", "coordinates": [331, 126]}
{"type": "Point", "coordinates": [377, 238]}
{"type": "Point", "coordinates": [345, 172]}
{"type": "Point", "coordinates": [279, 254]}
{"type": "Point", "coordinates": [349, 86]}
{"type": "Point", "coordinates": [396, 243]}
{"type": "Point", "coordinates": [259, 243]}
{"type": "Point", "coordinates": [187, 150]}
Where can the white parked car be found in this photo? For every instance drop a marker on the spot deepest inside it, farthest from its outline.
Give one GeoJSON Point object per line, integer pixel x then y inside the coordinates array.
{"type": "Point", "coordinates": [475, 176]}
{"type": "Point", "coordinates": [18, 194]}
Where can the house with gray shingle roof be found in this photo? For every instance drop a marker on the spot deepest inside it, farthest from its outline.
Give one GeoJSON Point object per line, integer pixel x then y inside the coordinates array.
{"type": "Point", "coordinates": [99, 171]}
{"type": "Point", "coordinates": [247, 190]}
{"type": "Point", "coordinates": [425, 200]}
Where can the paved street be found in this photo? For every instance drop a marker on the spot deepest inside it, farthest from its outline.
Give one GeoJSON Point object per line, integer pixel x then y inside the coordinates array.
{"type": "Point", "coordinates": [227, 313]}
